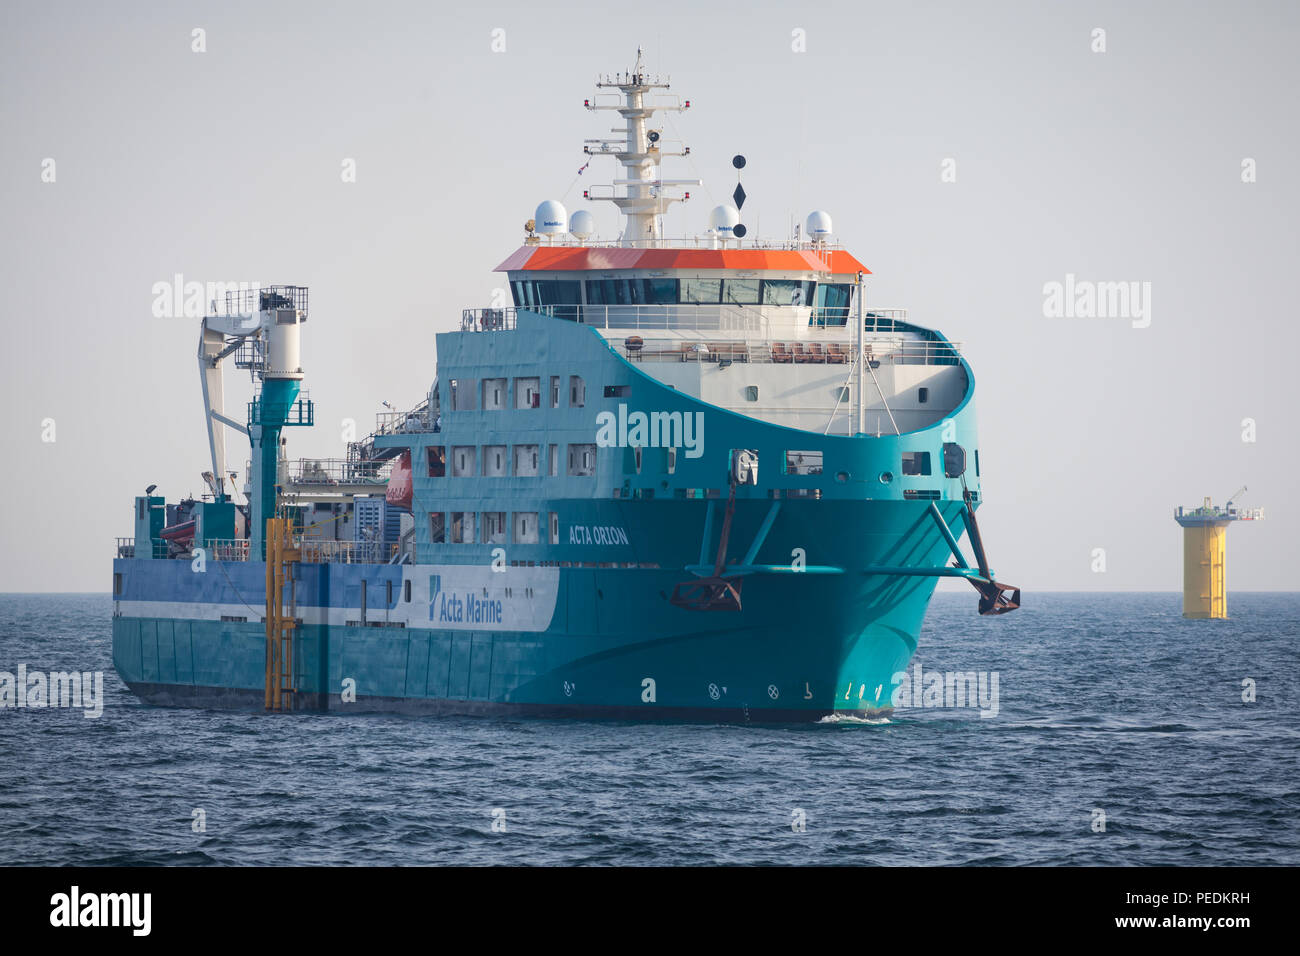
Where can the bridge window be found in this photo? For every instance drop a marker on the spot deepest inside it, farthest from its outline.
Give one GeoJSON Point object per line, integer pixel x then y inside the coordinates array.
{"type": "Point", "coordinates": [656, 291]}
{"type": "Point", "coordinates": [916, 463]}
{"type": "Point", "coordinates": [787, 292]}
{"type": "Point", "coordinates": [531, 293]}
{"type": "Point", "coordinates": [740, 292]}
{"type": "Point", "coordinates": [701, 291]}
{"type": "Point", "coordinates": [832, 304]}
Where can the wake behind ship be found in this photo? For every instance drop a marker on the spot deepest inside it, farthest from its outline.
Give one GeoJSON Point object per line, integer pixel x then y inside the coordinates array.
{"type": "Point", "coordinates": [677, 478]}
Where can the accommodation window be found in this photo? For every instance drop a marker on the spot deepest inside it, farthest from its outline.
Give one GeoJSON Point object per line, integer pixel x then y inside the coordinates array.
{"type": "Point", "coordinates": [525, 461]}
{"type": "Point", "coordinates": [617, 391]}
{"type": "Point", "coordinates": [922, 395]}
{"type": "Point", "coordinates": [494, 394]}
{"type": "Point", "coordinates": [117, 582]}
{"type": "Point", "coordinates": [670, 460]}
{"type": "Point", "coordinates": [582, 460]}
{"type": "Point", "coordinates": [406, 591]}
{"type": "Point", "coordinates": [438, 527]}
{"type": "Point", "coordinates": [555, 391]}
{"type": "Point", "coordinates": [577, 391]}
{"type": "Point", "coordinates": [803, 462]}
{"type": "Point", "coordinates": [464, 460]}
{"type": "Point", "coordinates": [555, 460]}
{"type": "Point", "coordinates": [528, 393]}
{"type": "Point", "coordinates": [526, 527]}
{"type": "Point", "coordinates": [495, 462]}
{"type": "Point", "coordinates": [751, 393]}
{"type": "Point", "coordinates": [977, 462]}
{"type": "Point", "coordinates": [494, 527]}
{"type": "Point", "coordinates": [553, 523]}
{"type": "Point", "coordinates": [437, 460]}
{"type": "Point", "coordinates": [916, 462]}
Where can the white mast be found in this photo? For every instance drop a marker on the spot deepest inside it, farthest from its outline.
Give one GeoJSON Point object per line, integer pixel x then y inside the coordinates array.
{"type": "Point", "coordinates": [646, 194]}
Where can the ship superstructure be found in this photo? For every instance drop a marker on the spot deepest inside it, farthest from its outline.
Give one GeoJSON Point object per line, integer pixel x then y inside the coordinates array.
{"type": "Point", "coordinates": [676, 478]}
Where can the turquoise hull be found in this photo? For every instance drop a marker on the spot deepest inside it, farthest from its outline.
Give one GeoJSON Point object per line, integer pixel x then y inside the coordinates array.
{"type": "Point", "coordinates": [579, 622]}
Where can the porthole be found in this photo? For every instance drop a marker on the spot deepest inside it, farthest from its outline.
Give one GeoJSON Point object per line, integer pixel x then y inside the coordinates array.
{"type": "Point", "coordinates": [886, 477]}
{"type": "Point", "coordinates": [841, 476]}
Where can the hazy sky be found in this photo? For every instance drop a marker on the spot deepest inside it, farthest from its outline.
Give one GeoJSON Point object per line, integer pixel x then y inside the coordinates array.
{"type": "Point", "coordinates": [225, 165]}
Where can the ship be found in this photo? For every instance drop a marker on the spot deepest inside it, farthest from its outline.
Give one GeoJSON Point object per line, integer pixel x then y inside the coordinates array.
{"type": "Point", "coordinates": [659, 479]}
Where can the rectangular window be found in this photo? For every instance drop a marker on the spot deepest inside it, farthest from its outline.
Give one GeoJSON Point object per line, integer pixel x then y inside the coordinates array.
{"type": "Point", "coordinates": [437, 460]}
{"type": "Point", "coordinates": [526, 528]}
{"type": "Point", "coordinates": [832, 304]}
{"type": "Point", "coordinates": [977, 462]}
{"type": "Point", "coordinates": [464, 461]}
{"type": "Point", "coordinates": [803, 462]}
{"type": "Point", "coordinates": [117, 583]}
{"type": "Point", "coordinates": [406, 591]}
{"type": "Point", "coordinates": [922, 395]}
{"type": "Point", "coordinates": [582, 460]}
{"type": "Point", "coordinates": [388, 593]}
{"type": "Point", "coordinates": [528, 393]}
{"type": "Point", "coordinates": [787, 292]}
{"type": "Point", "coordinates": [437, 527]}
{"type": "Point", "coordinates": [555, 460]}
{"type": "Point", "coordinates": [577, 391]}
{"type": "Point", "coordinates": [702, 291]}
{"type": "Point", "coordinates": [495, 462]}
{"type": "Point", "coordinates": [751, 393]}
{"type": "Point", "coordinates": [525, 461]}
{"type": "Point", "coordinates": [462, 394]}
{"type": "Point", "coordinates": [555, 391]}
{"type": "Point", "coordinates": [617, 391]}
{"type": "Point", "coordinates": [494, 394]}
{"type": "Point", "coordinates": [670, 460]}
{"type": "Point", "coordinates": [740, 292]}
{"type": "Point", "coordinates": [462, 527]}
{"type": "Point", "coordinates": [554, 524]}
{"type": "Point", "coordinates": [494, 527]}
{"type": "Point", "coordinates": [916, 462]}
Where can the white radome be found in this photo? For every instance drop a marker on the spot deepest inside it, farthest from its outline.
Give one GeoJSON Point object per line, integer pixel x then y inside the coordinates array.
{"type": "Point", "coordinates": [722, 219]}
{"type": "Point", "coordinates": [818, 225]}
{"type": "Point", "coordinates": [551, 218]}
{"type": "Point", "coordinates": [581, 224]}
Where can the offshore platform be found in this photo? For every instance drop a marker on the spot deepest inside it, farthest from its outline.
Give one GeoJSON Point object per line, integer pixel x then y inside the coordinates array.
{"type": "Point", "coordinates": [1205, 554]}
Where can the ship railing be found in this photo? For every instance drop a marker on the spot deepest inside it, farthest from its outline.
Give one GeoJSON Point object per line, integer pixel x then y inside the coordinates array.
{"type": "Point", "coordinates": [878, 350]}
{"type": "Point", "coordinates": [327, 472]}
{"type": "Point", "coordinates": [125, 548]}
{"type": "Point", "coordinates": [228, 549]}
{"type": "Point", "coordinates": [324, 551]}
{"type": "Point", "coordinates": [418, 419]}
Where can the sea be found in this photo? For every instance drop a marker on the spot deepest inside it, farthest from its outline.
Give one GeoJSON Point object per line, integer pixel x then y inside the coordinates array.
{"type": "Point", "coordinates": [1120, 734]}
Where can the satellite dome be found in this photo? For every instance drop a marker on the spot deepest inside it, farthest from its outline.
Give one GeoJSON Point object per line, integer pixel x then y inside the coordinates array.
{"type": "Point", "coordinates": [551, 218]}
{"type": "Point", "coordinates": [722, 219]}
{"type": "Point", "coordinates": [818, 225]}
{"type": "Point", "coordinates": [582, 224]}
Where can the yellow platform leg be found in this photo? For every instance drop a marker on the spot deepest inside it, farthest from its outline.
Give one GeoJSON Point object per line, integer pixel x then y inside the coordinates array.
{"type": "Point", "coordinates": [280, 623]}
{"type": "Point", "coordinates": [1205, 570]}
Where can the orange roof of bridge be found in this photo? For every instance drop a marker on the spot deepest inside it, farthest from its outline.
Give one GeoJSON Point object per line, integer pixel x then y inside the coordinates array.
{"type": "Point", "coordinates": [583, 259]}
